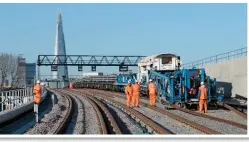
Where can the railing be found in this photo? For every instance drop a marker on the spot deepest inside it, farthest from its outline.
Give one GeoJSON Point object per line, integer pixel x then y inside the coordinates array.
{"type": "Point", "coordinates": [218, 58]}
{"type": "Point", "coordinates": [14, 98]}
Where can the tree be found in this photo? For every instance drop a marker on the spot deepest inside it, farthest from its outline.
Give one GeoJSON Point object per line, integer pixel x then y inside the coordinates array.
{"type": "Point", "coordinates": [9, 69]}
{"type": "Point", "coordinates": [13, 70]}
{"type": "Point", "coordinates": [4, 59]}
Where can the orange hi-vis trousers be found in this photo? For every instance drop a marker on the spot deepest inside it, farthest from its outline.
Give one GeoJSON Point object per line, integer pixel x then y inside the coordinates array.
{"type": "Point", "coordinates": [203, 103]}
{"type": "Point", "coordinates": [129, 100]}
{"type": "Point", "coordinates": [135, 98]}
{"type": "Point", "coordinates": [152, 99]}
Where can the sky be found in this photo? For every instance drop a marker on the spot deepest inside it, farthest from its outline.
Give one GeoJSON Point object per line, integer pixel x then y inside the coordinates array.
{"type": "Point", "coordinates": [192, 31]}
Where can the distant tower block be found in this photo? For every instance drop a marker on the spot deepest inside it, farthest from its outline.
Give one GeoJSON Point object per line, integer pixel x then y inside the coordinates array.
{"type": "Point", "coordinates": [60, 49]}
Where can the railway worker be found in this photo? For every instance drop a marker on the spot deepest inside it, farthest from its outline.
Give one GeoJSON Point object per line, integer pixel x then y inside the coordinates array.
{"type": "Point", "coordinates": [136, 90]}
{"type": "Point", "coordinates": [128, 92]}
{"type": "Point", "coordinates": [203, 98]}
{"type": "Point", "coordinates": [152, 89]}
{"type": "Point", "coordinates": [37, 98]}
{"type": "Point", "coordinates": [71, 85]}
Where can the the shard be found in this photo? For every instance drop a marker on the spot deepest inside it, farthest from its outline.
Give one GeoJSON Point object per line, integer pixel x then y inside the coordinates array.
{"type": "Point", "coordinates": [60, 49]}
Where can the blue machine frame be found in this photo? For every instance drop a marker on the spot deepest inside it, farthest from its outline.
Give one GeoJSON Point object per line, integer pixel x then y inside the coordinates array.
{"type": "Point", "coordinates": [175, 86]}
{"type": "Point", "coordinates": [122, 80]}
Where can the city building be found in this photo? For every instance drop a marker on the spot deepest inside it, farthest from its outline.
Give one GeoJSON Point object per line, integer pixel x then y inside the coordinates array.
{"type": "Point", "coordinates": [60, 49]}
{"type": "Point", "coordinates": [30, 73]}
{"type": "Point", "coordinates": [92, 74]}
{"type": "Point", "coordinates": [21, 72]}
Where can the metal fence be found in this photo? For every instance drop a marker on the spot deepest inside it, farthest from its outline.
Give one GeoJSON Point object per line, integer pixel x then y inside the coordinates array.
{"type": "Point", "coordinates": [14, 98]}
{"type": "Point", "coordinates": [218, 58]}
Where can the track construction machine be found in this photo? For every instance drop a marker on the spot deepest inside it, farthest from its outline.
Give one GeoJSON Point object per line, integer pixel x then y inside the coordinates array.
{"type": "Point", "coordinates": [175, 85]}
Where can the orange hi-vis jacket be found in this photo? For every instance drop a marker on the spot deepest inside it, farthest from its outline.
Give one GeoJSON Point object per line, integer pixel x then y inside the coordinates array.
{"type": "Point", "coordinates": [70, 85]}
{"type": "Point", "coordinates": [136, 88]}
{"type": "Point", "coordinates": [128, 90]}
{"type": "Point", "coordinates": [129, 95]}
{"type": "Point", "coordinates": [152, 88]}
{"type": "Point", "coordinates": [203, 93]}
{"type": "Point", "coordinates": [37, 92]}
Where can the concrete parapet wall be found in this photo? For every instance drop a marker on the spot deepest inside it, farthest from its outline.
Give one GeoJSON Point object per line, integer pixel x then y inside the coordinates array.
{"type": "Point", "coordinates": [231, 76]}
{"type": "Point", "coordinates": [10, 114]}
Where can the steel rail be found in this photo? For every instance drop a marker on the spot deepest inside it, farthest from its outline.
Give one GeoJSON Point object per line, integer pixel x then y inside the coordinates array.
{"type": "Point", "coordinates": [152, 124]}
{"type": "Point", "coordinates": [234, 110]}
{"type": "Point", "coordinates": [60, 129]}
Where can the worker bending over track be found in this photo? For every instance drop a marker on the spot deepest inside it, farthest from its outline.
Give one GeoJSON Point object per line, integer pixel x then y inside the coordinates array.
{"type": "Point", "coordinates": [37, 98]}
{"type": "Point", "coordinates": [128, 92]}
{"type": "Point", "coordinates": [203, 98]}
{"type": "Point", "coordinates": [136, 94]}
{"type": "Point", "coordinates": [152, 91]}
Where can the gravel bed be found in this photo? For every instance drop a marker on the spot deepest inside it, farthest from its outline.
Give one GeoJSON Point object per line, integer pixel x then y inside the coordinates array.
{"type": "Point", "coordinates": [52, 120]}
{"type": "Point", "coordinates": [217, 126]}
{"type": "Point", "coordinates": [91, 122]}
{"type": "Point", "coordinates": [75, 125]}
{"type": "Point", "coordinates": [228, 115]}
{"type": "Point", "coordinates": [220, 127]}
{"type": "Point", "coordinates": [169, 123]}
{"type": "Point", "coordinates": [129, 125]}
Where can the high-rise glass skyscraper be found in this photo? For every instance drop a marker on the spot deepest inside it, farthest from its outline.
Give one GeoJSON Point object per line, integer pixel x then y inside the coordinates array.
{"type": "Point", "coordinates": [60, 49]}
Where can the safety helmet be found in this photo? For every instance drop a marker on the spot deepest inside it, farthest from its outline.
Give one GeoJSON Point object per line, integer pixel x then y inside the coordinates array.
{"type": "Point", "coordinates": [129, 81]}
{"type": "Point", "coordinates": [38, 81]}
{"type": "Point", "coordinates": [202, 83]}
{"type": "Point", "coordinates": [150, 80]}
{"type": "Point", "coordinates": [136, 81]}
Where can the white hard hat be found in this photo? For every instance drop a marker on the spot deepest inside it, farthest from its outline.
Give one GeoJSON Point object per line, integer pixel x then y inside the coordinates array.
{"type": "Point", "coordinates": [136, 80]}
{"type": "Point", "coordinates": [129, 81]}
{"type": "Point", "coordinates": [150, 80]}
{"type": "Point", "coordinates": [38, 81]}
{"type": "Point", "coordinates": [202, 83]}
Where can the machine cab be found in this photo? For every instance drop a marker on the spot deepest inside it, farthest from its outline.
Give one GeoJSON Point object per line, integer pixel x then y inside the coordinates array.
{"type": "Point", "coordinates": [160, 63]}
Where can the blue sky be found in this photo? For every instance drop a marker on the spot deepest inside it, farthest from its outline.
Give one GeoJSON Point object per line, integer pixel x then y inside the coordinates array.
{"type": "Point", "coordinates": [193, 31]}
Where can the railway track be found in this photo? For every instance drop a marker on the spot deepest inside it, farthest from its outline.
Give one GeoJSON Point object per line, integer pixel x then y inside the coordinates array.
{"type": "Point", "coordinates": [197, 126]}
{"type": "Point", "coordinates": [107, 124]}
{"type": "Point", "coordinates": [61, 128]}
{"type": "Point", "coordinates": [207, 116]}
{"type": "Point", "coordinates": [110, 121]}
{"type": "Point", "coordinates": [200, 116]}
{"type": "Point", "coordinates": [178, 118]}
{"type": "Point", "coordinates": [55, 121]}
{"type": "Point", "coordinates": [103, 127]}
{"type": "Point", "coordinates": [243, 115]}
{"type": "Point", "coordinates": [150, 124]}
{"type": "Point", "coordinates": [74, 113]}
{"type": "Point", "coordinates": [212, 117]}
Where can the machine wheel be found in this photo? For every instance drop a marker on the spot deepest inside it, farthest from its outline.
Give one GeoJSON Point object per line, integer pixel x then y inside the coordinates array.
{"type": "Point", "coordinates": [179, 105]}
{"type": "Point", "coordinates": [184, 106]}
{"type": "Point", "coordinates": [161, 101]}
